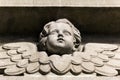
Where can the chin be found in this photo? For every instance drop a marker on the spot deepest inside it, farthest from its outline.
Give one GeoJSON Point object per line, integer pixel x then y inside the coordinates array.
{"type": "Point", "coordinates": [60, 45]}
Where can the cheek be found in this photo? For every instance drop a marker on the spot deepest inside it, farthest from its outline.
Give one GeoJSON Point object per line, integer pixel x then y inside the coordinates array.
{"type": "Point", "coordinates": [70, 39]}
{"type": "Point", "coordinates": [52, 38]}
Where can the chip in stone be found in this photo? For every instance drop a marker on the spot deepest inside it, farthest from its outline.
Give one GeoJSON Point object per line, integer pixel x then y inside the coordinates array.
{"type": "Point", "coordinates": [88, 67]}
{"type": "Point", "coordinates": [45, 68]}
{"type": "Point", "coordinates": [13, 70]}
{"type": "Point", "coordinates": [33, 67]}
{"type": "Point", "coordinates": [22, 63]}
{"type": "Point", "coordinates": [106, 70]}
{"type": "Point", "coordinates": [97, 61]}
{"type": "Point", "coordinates": [92, 53]}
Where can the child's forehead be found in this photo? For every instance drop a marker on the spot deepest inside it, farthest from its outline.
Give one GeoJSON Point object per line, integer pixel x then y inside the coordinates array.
{"type": "Point", "coordinates": [60, 26]}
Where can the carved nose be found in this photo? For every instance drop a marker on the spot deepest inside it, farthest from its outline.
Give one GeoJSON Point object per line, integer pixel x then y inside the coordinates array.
{"type": "Point", "coordinates": [60, 34]}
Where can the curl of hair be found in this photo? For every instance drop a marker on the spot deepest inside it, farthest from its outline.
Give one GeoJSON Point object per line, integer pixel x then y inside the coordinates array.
{"type": "Point", "coordinates": [44, 33]}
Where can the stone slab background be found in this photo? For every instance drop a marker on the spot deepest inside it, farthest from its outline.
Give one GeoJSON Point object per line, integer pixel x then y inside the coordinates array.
{"type": "Point", "coordinates": [27, 17]}
{"type": "Point", "coordinates": [30, 20]}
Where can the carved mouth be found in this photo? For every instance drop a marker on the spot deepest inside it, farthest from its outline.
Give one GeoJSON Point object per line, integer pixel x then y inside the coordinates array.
{"type": "Point", "coordinates": [60, 39]}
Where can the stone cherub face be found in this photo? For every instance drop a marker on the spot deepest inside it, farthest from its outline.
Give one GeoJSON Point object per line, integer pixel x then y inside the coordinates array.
{"type": "Point", "coordinates": [59, 37]}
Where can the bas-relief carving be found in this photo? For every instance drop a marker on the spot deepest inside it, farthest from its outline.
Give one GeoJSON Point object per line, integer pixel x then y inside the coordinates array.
{"type": "Point", "coordinates": [59, 51]}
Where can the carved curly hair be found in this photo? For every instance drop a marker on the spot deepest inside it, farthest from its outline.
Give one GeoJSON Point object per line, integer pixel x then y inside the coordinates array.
{"type": "Point", "coordinates": [44, 33]}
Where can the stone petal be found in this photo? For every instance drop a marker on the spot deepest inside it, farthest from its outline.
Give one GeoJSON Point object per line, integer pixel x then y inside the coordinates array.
{"type": "Point", "coordinates": [106, 70]}
{"type": "Point", "coordinates": [9, 46]}
{"type": "Point", "coordinates": [85, 57]}
{"type": "Point", "coordinates": [33, 67]}
{"type": "Point", "coordinates": [26, 54]}
{"type": "Point", "coordinates": [76, 69]}
{"type": "Point", "coordinates": [117, 56]}
{"type": "Point", "coordinates": [34, 57]}
{"type": "Point", "coordinates": [12, 52]}
{"type": "Point", "coordinates": [92, 53]}
{"type": "Point", "coordinates": [103, 46]}
{"type": "Point", "coordinates": [88, 67]}
{"type": "Point", "coordinates": [13, 70]}
{"type": "Point", "coordinates": [44, 59]}
{"type": "Point", "coordinates": [22, 49]}
{"type": "Point", "coordinates": [109, 53]}
{"type": "Point", "coordinates": [103, 57]}
{"type": "Point", "coordinates": [6, 62]}
{"type": "Point", "coordinates": [45, 68]}
{"type": "Point", "coordinates": [114, 63]}
{"type": "Point", "coordinates": [97, 61]}
{"type": "Point", "coordinates": [76, 58]}
{"type": "Point", "coordinates": [16, 57]}
{"type": "Point", "coordinates": [22, 63]}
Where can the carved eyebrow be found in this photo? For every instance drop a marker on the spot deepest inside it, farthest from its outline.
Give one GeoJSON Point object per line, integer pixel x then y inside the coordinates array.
{"type": "Point", "coordinates": [55, 30]}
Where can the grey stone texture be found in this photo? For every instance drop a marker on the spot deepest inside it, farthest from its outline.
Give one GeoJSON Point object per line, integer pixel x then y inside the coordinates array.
{"type": "Point", "coordinates": [30, 20]}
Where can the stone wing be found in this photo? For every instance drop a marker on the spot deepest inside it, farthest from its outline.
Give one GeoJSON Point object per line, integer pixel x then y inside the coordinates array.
{"type": "Point", "coordinates": [18, 58]}
{"type": "Point", "coordinates": [103, 59]}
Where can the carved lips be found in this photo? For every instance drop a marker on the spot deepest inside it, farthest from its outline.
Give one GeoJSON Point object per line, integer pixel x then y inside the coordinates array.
{"type": "Point", "coordinates": [60, 39]}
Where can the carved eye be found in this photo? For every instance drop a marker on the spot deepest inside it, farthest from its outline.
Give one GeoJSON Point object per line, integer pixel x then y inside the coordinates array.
{"type": "Point", "coordinates": [67, 33]}
{"type": "Point", "coordinates": [54, 32]}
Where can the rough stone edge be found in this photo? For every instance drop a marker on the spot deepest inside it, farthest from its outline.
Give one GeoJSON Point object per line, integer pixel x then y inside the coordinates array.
{"type": "Point", "coordinates": [60, 3]}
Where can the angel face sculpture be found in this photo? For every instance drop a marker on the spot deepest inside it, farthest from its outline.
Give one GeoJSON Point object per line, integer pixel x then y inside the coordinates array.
{"type": "Point", "coordinates": [60, 37]}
